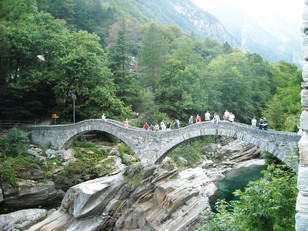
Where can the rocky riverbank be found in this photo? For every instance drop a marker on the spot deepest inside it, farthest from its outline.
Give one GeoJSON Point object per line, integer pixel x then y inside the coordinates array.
{"type": "Point", "coordinates": [138, 198]}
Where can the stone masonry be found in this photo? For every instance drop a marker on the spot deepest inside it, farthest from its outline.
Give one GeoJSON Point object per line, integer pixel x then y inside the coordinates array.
{"type": "Point", "coordinates": [302, 180]}
{"type": "Point", "coordinates": [152, 146]}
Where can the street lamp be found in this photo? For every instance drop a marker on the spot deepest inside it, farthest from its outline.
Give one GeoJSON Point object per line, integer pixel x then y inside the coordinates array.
{"type": "Point", "coordinates": [73, 98]}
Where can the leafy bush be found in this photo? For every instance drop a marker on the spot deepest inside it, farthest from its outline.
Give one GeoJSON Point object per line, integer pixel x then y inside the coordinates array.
{"type": "Point", "coordinates": [84, 144]}
{"type": "Point", "coordinates": [192, 151]}
{"type": "Point", "coordinates": [15, 142]}
{"type": "Point", "coordinates": [10, 166]}
{"type": "Point", "coordinates": [125, 149]}
{"type": "Point", "coordinates": [8, 175]}
{"type": "Point", "coordinates": [74, 173]}
{"type": "Point", "coordinates": [88, 155]}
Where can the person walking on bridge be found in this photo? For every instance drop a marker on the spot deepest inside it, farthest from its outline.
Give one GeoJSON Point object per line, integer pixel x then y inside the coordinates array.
{"type": "Point", "coordinates": [231, 117]}
{"type": "Point", "coordinates": [176, 124]}
{"type": "Point", "coordinates": [163, 125]}
{"type": "Point", "coordinates": [207, 116]}
{"type": "Point", "coordinates": [103, 117]}
{"type": "Point", "coordinates": [191, 120]}
{"type": "Point", "coordinates": [226, 115]}
{"type": "Point", "coordinates": [146, 126]}
{"type": "Point", "coordinates": [216, 119]}
{"type": "Point", "coordinates": [254, 122]}
{"type": "Point", "coordinates": [198, 119]}
{"type": "Point", "coordinates": [168, 126]}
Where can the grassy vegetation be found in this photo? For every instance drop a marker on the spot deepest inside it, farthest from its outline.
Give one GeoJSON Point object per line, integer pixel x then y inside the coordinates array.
{"type": "Point", "coordinates": [13, 146]}
{"type": "Point", "coordinates": [90, 163]}
{"type": "Point", "coordinates": [194, 152]}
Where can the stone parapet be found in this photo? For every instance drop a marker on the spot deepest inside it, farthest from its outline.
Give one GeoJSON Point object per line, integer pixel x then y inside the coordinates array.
{"type": "Point", "coordinates": [152, 146]}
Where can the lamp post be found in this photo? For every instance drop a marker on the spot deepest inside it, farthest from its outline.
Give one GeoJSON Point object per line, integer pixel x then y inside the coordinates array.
{"type": "Point", "coordinates": [74, 99]}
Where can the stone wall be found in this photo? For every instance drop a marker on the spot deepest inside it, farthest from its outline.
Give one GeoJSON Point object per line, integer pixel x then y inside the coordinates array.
{"type": "Point", "coordinates": [302, 184]}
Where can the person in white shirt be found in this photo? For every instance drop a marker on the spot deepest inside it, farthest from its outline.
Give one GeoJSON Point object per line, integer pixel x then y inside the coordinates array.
{"type": "Point", "coordinates": [254, 122]}
{"type": "Point", "coordinates": [231, 117]}
{"type": "Point", "coordinates": [207, 116]}
{"type": "Point", "coordinates": [216, 119]}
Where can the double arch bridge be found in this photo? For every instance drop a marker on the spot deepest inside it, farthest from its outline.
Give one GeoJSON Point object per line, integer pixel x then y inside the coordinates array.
{"type": "Point", "coordinates": [152, 146]}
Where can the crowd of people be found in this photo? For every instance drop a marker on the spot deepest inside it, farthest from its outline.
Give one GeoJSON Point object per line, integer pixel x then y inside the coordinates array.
{"type": "Point", "coordinates": [162, 126]}
{"type": "Point", "coordinates": [227, 116]}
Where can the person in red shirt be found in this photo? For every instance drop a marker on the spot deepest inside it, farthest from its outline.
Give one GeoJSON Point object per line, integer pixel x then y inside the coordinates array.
{"type": "Point", "coordinates": [198, 119]}
{"type": "Point", "coordinates": [146, 126]}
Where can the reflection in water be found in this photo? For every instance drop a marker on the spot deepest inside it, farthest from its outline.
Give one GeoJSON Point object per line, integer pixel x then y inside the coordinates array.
{"type": "Point", "coordinates": [235, 179]}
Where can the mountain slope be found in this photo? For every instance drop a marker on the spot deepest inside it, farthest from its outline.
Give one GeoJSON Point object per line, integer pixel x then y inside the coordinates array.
{"type": "Point", "coordinates": [189, 17]}
{"type": "Point", "coordinates": [269, 28]}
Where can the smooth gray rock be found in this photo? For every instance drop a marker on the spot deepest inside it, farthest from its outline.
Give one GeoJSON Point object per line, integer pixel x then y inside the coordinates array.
{"type": "Point", "coordinates": [22, 219]}
{"type": "Point", "coordinates": [29, 193]}
{"type": "Point", "coordinates": [57, 220]}
{"type": "Point", "coordinates": [91, 197]}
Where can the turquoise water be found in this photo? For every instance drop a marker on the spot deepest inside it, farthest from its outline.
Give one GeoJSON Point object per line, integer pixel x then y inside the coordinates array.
{"type": "Point", "coordinates": [235, 179]}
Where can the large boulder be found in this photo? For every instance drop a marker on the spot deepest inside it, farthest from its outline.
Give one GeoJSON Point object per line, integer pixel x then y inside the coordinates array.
{"type": "Point", "coordinates": [92, 197]}
{"type": "Point", "coordinates": [238, 151]}
{"type": "Point", "coordinates": [162, 199]}
{"type": "Point", "coordinates": [29, 194]}
{"type": "Point", "coordinates": [22, 219]}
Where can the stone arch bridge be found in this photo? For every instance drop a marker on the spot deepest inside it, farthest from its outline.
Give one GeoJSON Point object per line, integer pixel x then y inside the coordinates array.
{"type": "Point", "coordinates": [153, 146]}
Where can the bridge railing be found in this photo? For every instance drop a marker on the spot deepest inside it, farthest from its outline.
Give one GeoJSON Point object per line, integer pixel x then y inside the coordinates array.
{"type": "Point", "coordinates": [222, 123]}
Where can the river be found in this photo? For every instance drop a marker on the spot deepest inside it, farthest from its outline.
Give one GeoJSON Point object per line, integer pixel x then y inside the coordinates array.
{"type": "Point", "coordinates": [235, 179]}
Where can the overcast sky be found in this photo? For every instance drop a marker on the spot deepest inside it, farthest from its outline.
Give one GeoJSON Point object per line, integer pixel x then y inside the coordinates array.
{"type": "Point", "coordinates": [262, 10]}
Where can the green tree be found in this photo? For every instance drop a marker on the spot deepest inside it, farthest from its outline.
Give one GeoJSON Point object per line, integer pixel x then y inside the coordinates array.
{"type": "Point", "coordinates": [152, 55]}
{"type": "Point", "coordinates": [283, 110]}
{"type": "Point", "coordinates": [209, 49]}
{"type": "Point", "coordinates": [26, 36]}
{"type": "Point", "coordinates": [266, 204]}
{"type": "Point", "coordinates": [61, 9]}
{"type": "Point", "coordinates": [82, 70]}
{"type": "Point", "coordinates": [71, 62]}
{"type": "Point", "coordinates": [183, 49]}
{"type": "Point", "coordinates": [122, 64]}
{"type": "Point", "coordinates": [238, 85]}
{"type": "Point", "coordinates": [16, 142]}
{"type": "Point", "coordinates": [261, 74]}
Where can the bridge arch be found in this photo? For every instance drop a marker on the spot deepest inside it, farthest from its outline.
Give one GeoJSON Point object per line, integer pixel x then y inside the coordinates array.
{"type": "Point", "coordinates": [63, 136]}
{"type": "Point", "coordinates": [152, 146]}
{"type": "Point", "coordinates": [283, 145]}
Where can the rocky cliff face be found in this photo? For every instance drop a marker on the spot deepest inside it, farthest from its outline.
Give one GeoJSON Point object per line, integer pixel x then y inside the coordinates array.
{"type": "Point", "coordinates": [189, 17]}
{"type": "Point", "coordinates": [137, 198]}
{"type": "Point", "coordinates": [153, 198]}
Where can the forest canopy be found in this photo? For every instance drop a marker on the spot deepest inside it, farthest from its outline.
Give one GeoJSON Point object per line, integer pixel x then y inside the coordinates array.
{"type": "Point", "coordinates": [117, 64]}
